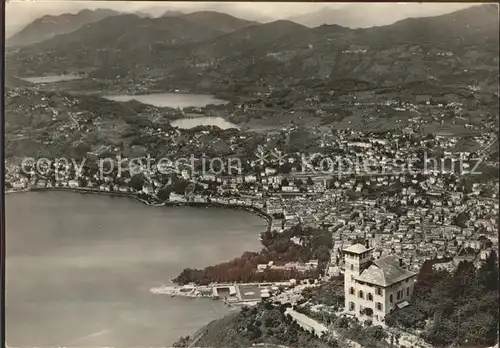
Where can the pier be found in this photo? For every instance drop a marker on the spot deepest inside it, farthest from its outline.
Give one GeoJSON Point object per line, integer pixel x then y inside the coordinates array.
{"type": "Point", "coordinates": [230, 293]}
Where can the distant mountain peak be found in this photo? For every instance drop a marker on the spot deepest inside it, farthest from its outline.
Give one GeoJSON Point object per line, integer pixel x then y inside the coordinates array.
{"type": "Point", "coordinates": [285, 22]}
{"type": "Point", "coordinates": [84, 11]}
{"type": "Point", "coordinates": [218, 21]}
{"type": "Point", "coordinates": [211, 14]}
{"type": "Point", "coordinates": [172, 13]}
{"type": "Point", "coordinates": [372, 14]}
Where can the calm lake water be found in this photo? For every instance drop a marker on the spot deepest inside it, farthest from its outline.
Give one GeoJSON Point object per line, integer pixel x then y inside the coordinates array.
{"type": "Point", "coordinates": [203, 121]}
{"type": "Point", "coordinates": [53, 78]}
{"type": "Point", "coordinates": [173, 100]}
{"type": "Point", "coordinates": [80, 267]}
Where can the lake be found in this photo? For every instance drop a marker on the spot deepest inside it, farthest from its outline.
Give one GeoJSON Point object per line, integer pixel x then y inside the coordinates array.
{"type": "Point", "coordinates": [79, 268]}
{"type": "Point", "coordinates": [52, 78]}
{"type": "Point", "coordinates": [173, 100]}
{"type": "Point", "coordinates": [187, 123]}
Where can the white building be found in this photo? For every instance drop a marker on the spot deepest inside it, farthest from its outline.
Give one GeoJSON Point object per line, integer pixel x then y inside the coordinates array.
{"type": "Point", "coordinates": [250, 178]}
{"type": "Point", "coordinates": [173, 197]}
{"type": "Point", "coordinates": [269, 171]}
{"type": "Point", "coordinates": [374, 288]}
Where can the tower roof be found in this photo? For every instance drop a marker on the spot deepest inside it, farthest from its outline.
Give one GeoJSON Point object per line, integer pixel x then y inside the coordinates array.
{"type": "Point", "coordinates": [357, 249]}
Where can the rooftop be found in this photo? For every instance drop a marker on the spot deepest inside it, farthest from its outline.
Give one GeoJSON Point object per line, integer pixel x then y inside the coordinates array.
{"type": "Point", "coordinates": [385, 272]}
{"type": "Point", "coordinates": [357, 249]}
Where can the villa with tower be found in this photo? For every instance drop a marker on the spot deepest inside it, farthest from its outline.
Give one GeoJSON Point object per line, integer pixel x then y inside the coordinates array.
{"type": "Point", "coordinates": [374, 288]}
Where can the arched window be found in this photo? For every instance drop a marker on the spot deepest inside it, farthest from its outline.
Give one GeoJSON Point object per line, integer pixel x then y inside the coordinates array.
{"type": "Point", "coordinates": [352, 267]}
{"type": "Point", "coordinates": [351, 306]}
{"type": "Point", "coordinates": [370, 297]}
{"type": "Point", "coordinates": [351, 291]}
{"type": "Point", "coordinates": [360, 294]}
{"type": "Point", "coordinates": [390, 298]}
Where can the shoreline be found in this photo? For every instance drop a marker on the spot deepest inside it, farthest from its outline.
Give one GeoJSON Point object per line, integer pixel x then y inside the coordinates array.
{"type": "Point", "coordinates": [173, 290]}
{"type": "Point", "coordinates": [250, 209]}
{"type": "Point", "coordinates": [210, 291]}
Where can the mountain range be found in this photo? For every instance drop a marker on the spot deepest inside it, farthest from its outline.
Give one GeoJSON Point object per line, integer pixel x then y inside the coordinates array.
{"type": "Point", "coordinates": [209, 49]}
{"type": "Point", "coordinates": [48, 26]}
{"type": "Point", "coordinates": [130, 32]}
{"type": "Point", "coordinates": [372, 14]}
{"type": "Point", "coordinates": [217, 21]}
{"type": "Point", "coordinates": [352, 15]}
{"type": "Point", "coordinates": [21, 14]}
{"type": "Point", "coordinates": [232, 9]}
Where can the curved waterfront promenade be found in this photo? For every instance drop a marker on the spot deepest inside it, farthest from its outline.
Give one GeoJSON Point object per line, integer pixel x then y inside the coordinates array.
{"type": "Point", "coordinates": [251, 209]}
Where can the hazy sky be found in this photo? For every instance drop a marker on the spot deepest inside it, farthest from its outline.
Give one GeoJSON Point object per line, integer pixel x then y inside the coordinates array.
{"type": "Point", "coordinates": [20, 13]}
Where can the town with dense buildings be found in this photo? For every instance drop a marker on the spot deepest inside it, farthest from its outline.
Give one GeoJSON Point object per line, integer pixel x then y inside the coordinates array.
{"type": "Point", "coordinates": [381, 200]}
{"type": "Point", "coordinates": [384, 220]}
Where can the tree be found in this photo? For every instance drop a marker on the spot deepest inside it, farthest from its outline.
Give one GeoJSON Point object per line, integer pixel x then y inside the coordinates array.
{"type": "Point", "coordinates": [81, 150]}
{"type": "Point", "coordinates": [322, 253]}
{"type": "Point", "coordinates": [164, 194]}
{"type": "Point", "coordinates": [82, 182]}
{"type": "Point", "coordinates": [298, 182]}
{"type": "Point", "coordinates": [461, 219]}
{"type": "Point", "coordinates": [488, 273]}
{"type": "Point", "coordinates": [462, 305]}
{"type": "Point", "coordinates": [341, 323]}
{"type": "Point", "coordinates": [179, 185]}
{"type": "Point", "coordinates": [181, 342]}
{"type": "Point", "coordinates": [255, 332]}
{"type": "Point", "coordinates": [137, 182]}
{"type": "Point", "coordinates": [377, 332]}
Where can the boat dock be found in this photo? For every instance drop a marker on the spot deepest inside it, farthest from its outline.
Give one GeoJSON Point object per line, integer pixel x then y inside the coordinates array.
{"type": "Point", "coordinates": [231, 293]}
